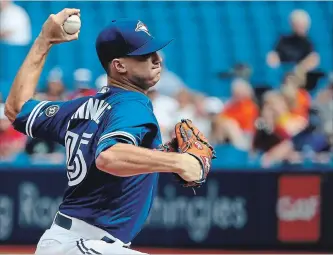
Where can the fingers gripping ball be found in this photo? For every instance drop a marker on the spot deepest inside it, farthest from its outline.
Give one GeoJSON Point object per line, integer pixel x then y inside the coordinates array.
{"type": "Point", "coordinates": [72, 25]}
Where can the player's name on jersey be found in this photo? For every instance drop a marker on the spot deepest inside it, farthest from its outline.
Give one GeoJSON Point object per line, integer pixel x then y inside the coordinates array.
{"type": "Point", "coordinates": [93, 109]}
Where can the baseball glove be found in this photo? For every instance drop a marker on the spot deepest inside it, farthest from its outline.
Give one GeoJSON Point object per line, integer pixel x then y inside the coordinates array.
{"type": "Point", "coordinates": [190, 140]}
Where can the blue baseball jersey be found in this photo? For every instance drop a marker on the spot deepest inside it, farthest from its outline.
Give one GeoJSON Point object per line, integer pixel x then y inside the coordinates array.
{"type": "Point", "coordinates": [86, 127]}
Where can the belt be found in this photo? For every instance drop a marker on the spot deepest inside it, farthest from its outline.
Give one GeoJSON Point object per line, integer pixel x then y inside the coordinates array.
{"type": "Point", "coordinates": [66, 223]}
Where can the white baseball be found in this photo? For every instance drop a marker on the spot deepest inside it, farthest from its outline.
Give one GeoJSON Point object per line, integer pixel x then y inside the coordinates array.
{"type": "Point", "coordinates": [72, 25]}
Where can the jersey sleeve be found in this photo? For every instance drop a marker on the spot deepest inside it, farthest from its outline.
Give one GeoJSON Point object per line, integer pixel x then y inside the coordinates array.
{"type": "Point", "coordinates": [44, 119]}
{"type": "Point", "coordinates": [128, 122]}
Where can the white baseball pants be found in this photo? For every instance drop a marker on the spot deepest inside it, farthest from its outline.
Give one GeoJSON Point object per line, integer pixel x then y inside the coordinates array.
{"type": "Point", "coordinates": [81, 238]}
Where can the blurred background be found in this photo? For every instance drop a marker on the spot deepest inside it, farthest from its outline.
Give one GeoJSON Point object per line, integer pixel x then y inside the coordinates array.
{"type": "Point", "coordinates": [256, 77]}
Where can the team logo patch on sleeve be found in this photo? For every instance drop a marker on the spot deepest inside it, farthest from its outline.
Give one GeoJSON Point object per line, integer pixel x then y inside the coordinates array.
{"type": "Point", "coordinates": [52, 110]}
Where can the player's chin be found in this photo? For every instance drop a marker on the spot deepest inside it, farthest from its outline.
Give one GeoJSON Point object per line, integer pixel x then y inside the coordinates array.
{"type": "Point", "coordinates": [155, 79]}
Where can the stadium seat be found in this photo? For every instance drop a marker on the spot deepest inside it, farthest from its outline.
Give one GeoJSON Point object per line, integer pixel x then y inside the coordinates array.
{"type": "Point", "coordinates": [232, 157]}
{"type": "Point", "coordinates": [209, 37]}
{"type": "Point", "coordinates": [283, 11]}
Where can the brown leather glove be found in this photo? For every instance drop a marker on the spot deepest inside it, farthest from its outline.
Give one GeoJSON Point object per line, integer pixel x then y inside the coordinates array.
{"type": "Point", "coordinates": [190, 140]}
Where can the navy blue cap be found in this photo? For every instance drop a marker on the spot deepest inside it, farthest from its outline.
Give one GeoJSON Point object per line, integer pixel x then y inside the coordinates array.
{"type": "Point", "coordinates": [126, 37]}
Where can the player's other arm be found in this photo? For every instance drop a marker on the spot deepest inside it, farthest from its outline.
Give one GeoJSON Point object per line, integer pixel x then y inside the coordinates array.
{"type": "Point", "coordinates": [25, 82]}
{"type": "Point", "coordinates": [127, 160]}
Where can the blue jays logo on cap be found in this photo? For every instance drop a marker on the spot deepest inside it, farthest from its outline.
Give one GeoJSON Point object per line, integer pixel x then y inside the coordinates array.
{"type": "Point", "coordinates": [142, 27]}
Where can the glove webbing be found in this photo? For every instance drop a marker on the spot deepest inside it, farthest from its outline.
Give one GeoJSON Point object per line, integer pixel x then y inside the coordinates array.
{"type": "Point", "coordinates": [198, 137]}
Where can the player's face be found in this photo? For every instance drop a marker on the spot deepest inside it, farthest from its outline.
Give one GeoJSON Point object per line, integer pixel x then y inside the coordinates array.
{"type": "Point", "coordinates": [144, 71]}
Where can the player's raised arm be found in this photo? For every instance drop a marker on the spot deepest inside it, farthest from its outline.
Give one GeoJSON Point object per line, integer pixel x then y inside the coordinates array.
{"type": "Point", "coordinates": [25, 82]}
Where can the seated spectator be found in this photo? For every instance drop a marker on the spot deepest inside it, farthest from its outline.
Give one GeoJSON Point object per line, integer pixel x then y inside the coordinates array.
{"type": "Point", "coordinates": [42, 151]}
{"type": "Point", "coordinates": [202, 116]}
{"type": "Point", "coordinates": [164, 110]}
{"type": "Point", "coordinates": [170, 83]}
{"type": "Point", "coordinates": [298, 98]}
{"type": "Point", "coordinates": [239, 70]}
{"type": "Point", "coordinates": [270, 139]}
{"type": "Point", "coordinates": [195, 106]}
{"type": "Point", "coordinates": [82, 83]}
{"type": "Point", "coordinates": [12, 142]}
{"type": "Point", "coordinates": [324, 104]}
{"type": "Point", "coordinates": [101, 81]}
{"type": "Point", "coordinates": [286, 123]}
{"type": "Point", "coordinates": [236, 121]}
{"type": "Point", "coordinates": [212, 107]}
{"type": "Point", "coordinates": [15, 23]}
{"type": "Point", "coordinates": [186, 108]}
{"type": "Point", "coordinates": [55, 87]}
{"type": "Point", "coordinates": [296, 47]}
{"type": "Point", "coordinates": [281, 134]}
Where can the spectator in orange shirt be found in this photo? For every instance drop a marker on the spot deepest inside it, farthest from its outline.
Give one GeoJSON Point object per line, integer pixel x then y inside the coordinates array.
{"type": "Point", "coordinates": [276, 128]}
{"type": "Point", "coordinates": [303, 102]}
{"type": "Point", "coordinates": [236, 121]}
{"type": "Point", "coordinates": [298, 98]}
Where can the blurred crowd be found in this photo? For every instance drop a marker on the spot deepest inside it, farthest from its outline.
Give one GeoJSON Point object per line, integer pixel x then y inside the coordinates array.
{"type": "Point", "coordinates": [288, 123]}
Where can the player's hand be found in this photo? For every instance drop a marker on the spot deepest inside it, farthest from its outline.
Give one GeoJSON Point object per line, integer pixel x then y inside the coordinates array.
{"type": "Point", "coordinates": [191, 169]}
{"type": "Point", "coordinates": [53, 31]}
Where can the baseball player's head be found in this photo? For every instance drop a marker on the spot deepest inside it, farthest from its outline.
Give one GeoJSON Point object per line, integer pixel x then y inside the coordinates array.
{"type": "Point", "coordinates": [129, 53]}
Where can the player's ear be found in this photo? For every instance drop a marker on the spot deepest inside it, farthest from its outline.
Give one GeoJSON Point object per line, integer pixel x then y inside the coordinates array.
{"type": "Point", "coordinates": [118, 65]}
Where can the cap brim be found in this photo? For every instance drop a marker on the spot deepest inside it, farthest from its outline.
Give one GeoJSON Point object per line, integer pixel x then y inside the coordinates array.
{"type": "Point", "coordinates": [151, 46]}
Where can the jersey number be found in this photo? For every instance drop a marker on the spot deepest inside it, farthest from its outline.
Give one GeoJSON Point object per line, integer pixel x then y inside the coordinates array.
{"type": "Point", "coordinates": [76, 164]}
